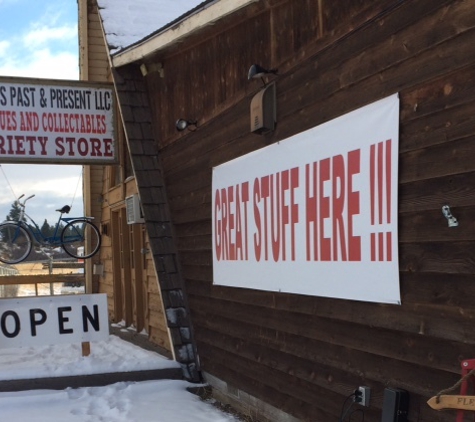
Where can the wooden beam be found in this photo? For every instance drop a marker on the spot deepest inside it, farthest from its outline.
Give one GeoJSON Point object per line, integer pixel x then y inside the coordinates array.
{"type": "Point", "coordinates": [37, 279]}
{"type": "Point", "coordinates": [64, 265]}
{"type": "Point", "coordinates": [181, 30]}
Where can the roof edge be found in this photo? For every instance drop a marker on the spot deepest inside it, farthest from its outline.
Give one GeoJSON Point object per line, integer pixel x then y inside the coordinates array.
{"type": "Point", "coordinates": [190, 24]}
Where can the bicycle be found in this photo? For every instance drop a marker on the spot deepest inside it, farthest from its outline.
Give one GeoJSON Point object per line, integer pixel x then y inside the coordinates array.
{"type": "Point", "coordinates": [79, 237]}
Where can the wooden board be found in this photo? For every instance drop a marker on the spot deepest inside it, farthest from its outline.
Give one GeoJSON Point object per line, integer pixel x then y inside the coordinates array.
{"type": "Point", "coordinates": [306, 354]}
{"type": "Point", "coordinates": [452, 402]}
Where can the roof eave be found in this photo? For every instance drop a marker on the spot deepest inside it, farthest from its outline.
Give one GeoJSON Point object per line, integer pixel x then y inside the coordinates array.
{"type": "Point", "coordinates": [178, 32]}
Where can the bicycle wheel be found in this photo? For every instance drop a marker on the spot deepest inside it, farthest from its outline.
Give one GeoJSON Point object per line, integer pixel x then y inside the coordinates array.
{"type": "Point", "coordinates": [80, 239]}
{"type": "Point", "coordinates": [15, 243]}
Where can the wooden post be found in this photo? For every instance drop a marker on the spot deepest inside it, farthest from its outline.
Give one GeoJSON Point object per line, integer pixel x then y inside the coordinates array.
{"type": "Point", "coordinates": [50, 271]}
{"type": "Point", "coordinates": [86, 348]}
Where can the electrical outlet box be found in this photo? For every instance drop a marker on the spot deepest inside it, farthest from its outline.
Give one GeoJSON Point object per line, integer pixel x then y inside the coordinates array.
{"type": "Point", "coordinates": [364, 395]}
{"type": "Point", "coordinates": [395, 405]}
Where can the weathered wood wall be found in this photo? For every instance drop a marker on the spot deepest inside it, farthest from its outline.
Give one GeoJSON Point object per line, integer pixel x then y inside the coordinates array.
{"type": "Point", "coordinates": [104, 196]}
{"type": "Point", "coordinates": [306, 354]}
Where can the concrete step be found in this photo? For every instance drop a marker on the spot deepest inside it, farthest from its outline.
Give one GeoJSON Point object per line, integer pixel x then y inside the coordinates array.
{"type": "Point", "coordinates": [95, 380]}
{"type": "Point", "coordinates": [100, 380]}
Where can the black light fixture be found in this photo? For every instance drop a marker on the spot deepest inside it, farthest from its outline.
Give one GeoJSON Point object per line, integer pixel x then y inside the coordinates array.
{"type": "Point", "coordinates": [256, 71]}
{"type": "Point", "coordinates": [182, 124]}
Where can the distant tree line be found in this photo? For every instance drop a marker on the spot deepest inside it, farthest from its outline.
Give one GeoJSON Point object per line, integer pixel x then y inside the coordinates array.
{"type": "Point", "coordinates": [46, 229]}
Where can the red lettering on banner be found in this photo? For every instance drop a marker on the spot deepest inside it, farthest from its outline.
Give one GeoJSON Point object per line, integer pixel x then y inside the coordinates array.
{"type": "Point", "coordinates": [29, 121]}
{"type": "Point", "coordinates": [342, 244]}
{"type": "Point", "coordinates": [380, 192]}
{"type": "Point", "coordinates": [224, 222]}
{"type": "Point", "coordinates": [354, 242]}
{"type": "Point", "coordinates": [272, 209]}
{"type": "Point", "coordinates": [73, 123]}
{"type": "Point", "coordinates": [294, 207]}
{"type": "Point", "coordinates": [257, 220]}
{"type": "Point", "coordinates": [8, 120]}
{"type": "Point", "coordinates": [285, 186]}
{"type": "Point", "coordinates": [331, 202]}
{"type": "Point", "coordinates": [83, 147]}
{"type": "Point", "coordinates": [265, 193]}
{"type": "Point", "coordinates": [338, 203]}
{"type": "Point", "coordinates": [241, 195]}
{"type": "Point", "coordinates": [380, 182]}
{"type": "Point", "coordinates": [275, 212]}
{"type": "Point", "coordinates": [311, 211]}
{"type": "Point", "coordinates": [325, 242]}
{"type": "Point", "coordinates": [388, 181]}
{"type": "Point", "coordinates": [232, 246]}
{"type": "Point", "coordinates": [230, 221]}
{"type": "Point", "coordinates": [217, 225]}
{"type": "Point", "coordinates": [15, 145]}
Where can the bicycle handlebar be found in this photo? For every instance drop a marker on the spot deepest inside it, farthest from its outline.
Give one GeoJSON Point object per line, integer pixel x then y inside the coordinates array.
{"type": "Point", "coordinates": [24, 201]}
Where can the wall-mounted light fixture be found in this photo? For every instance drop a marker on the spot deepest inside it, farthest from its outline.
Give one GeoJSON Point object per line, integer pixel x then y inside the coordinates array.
{"type": "Point", "coordinates": [256, 71]}
{"type": "Point", "coordinates": [182, 124]}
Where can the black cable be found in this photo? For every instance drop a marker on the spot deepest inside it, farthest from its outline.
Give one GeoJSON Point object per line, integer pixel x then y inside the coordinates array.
{"type": "Point", "coordinates": [343, 412]}
{"type": "Point", "coordinates": [354, 411]}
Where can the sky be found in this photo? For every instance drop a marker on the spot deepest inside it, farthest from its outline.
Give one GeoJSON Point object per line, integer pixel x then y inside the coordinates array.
{"type": "Point", "coordinates": [39, 39]}
{"type": "Point", "coordinates": [147, 401]}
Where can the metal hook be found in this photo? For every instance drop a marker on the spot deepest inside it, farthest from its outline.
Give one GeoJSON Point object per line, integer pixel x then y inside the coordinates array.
{"type": "Point", "coordinates": [453, 222]}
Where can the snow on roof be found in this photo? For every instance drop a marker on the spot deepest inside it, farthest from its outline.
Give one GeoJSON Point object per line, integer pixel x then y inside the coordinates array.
{"type": "Point", "coordinates": [128, 22]}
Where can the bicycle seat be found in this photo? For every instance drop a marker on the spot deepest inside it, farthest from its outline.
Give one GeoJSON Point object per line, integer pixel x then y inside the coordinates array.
{"type": "Point", "coordinates": [65, 209]}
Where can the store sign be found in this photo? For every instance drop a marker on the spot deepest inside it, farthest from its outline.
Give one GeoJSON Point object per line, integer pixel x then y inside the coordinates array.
{"type": "Point", "coordinates": [315, 214]}
{"type": "Point", "coordinates": [45, 121]}
{"type": "Point", "coordinates": [33, 321]}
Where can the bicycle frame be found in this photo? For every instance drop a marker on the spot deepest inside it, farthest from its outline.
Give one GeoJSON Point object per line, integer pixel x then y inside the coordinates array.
{"type": "Point", "coordinates": [78, 237]}
{"type": "Point", "coordinates": [33, 228]}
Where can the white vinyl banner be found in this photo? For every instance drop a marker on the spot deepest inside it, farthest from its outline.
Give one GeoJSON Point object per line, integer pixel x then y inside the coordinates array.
{"type": "Point", "coordinates": [43, 121]}
{"type": "Point", "coordinates": [32, 321]}
{"type": "Point", "coordinates": [315, 214]}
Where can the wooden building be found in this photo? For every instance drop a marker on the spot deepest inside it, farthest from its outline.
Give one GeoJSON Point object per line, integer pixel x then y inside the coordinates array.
{"type": "Point", "coordinates": [124, 267]}
{"type": "Point", "coordinates": [282, 356]}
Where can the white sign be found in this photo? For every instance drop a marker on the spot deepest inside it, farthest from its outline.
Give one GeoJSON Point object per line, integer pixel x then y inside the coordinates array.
{"type": "Point", "coordinates": [56, 122]}
{"type": "Point", "coordinates": [32, 321]}
{"type": "Point", "coordinates": [315, 214]}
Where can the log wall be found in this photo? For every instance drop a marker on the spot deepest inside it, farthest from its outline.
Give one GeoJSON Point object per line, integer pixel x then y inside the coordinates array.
{"type": "Point", "coordinates": [303, 354]}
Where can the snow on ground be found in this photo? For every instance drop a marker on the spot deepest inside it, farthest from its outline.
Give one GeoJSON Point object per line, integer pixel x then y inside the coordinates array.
{"type": "Point", "coordinates": [148, 401]}
{"type": "Point", "coordinates": [113, 355]}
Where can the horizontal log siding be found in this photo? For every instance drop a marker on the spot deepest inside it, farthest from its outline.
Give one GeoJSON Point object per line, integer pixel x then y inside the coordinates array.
{"type": "Point", "coordinates": [305, 354]}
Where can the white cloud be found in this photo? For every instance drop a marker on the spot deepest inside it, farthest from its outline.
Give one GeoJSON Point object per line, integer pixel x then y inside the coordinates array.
{"type": "Point", "coordinates": [44, 34]}
{"type": "Point", "coordinates": [42, 64]}
{"type": "Point", "coordinates": [53, 186]}
{"type": "Point", "coordinates": [4, 46]}
{"type": "Point", "coordinates": [46, 48]}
